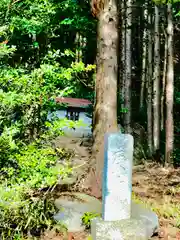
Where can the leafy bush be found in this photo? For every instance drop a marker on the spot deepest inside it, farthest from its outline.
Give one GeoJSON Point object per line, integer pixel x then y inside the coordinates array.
{"type": "Point", "coordinates": [25, 187]}
{"type": "Point", "coordinates": [22, 213]}
{"type": "Point", "coordinates": [8, 146]}
{"type": "Point", "coordinates": [87, 217]}
{"type": "Point", "coordinates": [27, 157]}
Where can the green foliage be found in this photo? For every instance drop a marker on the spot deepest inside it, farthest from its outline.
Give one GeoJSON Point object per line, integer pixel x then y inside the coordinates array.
{"type": "Point", "coordinates": [38, 63]}
{"type": "Point", "coordinates": [25, 186]}
{"type": "Point", "coordinates": [165, 1]}
{"type": "Point", "coordinates": [87, 217]}
{"type": "Point", "coordinates": [28, 160]}
{"type": "Point", "coordinates": [24, 213]}
{"type": "Point", "coordinates": [28, 97]}
{"type": "Point", "coordinates": [6, 50]}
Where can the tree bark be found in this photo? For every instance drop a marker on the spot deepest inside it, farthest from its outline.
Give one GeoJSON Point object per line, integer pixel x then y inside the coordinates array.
{"type": "Point", "coordinates": [169, 91]}
{"type": "Point", "coordinates": [127, 117]}
{"type": "Point", "coordinates": [144, 58]}
{"type": "Point", "coordinates": [156, 84]}
{"type": "Point", "coordinates": [123, 55]}
{"type": "Point", "coordinates": [149, 87]}
{"type": "Point", "coordinates": [164, 81]}
{"type": "Point", "coordinates": [105, 111]}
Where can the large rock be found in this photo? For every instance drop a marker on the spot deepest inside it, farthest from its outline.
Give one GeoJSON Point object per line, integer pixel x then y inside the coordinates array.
{"type": "Point", "coordinates": [80, 202]}
{"type": "Point", "coordinates": [72, 207]}
{"type": "Point", "coordinates": [140, 212]}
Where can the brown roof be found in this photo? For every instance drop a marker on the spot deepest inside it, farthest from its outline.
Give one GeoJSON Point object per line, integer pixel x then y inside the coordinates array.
{"type": "Point", "coordinates": [74, 102]}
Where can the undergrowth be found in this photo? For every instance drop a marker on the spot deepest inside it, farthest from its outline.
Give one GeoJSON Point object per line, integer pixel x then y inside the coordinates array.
{"type": "Point", "coordinates": [28, 157]}
{"type": "Point", "coordinates": [28, 176]}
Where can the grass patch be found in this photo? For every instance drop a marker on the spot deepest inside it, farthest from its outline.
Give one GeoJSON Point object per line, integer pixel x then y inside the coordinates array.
{"type": "Point", "coordinates": [167, 210]}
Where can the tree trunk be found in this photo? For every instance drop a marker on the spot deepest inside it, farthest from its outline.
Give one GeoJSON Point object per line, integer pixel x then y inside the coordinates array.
{"type": "Point", "coordinates": [169, 91]}
{"type": "Point", "coordinates": [105, 111]}
{"type": "Point", "coordinates": [164, 81]}
{"type": "Point", "coordinates": [123, 56]}
{"type": "Point", "coordinates": [127, 117]}
{"type": "Point", "coordinates": [156, 84]}
{"type": "Point", "coordinates": [77, 41]}
{"type": "Point", "coordinates": [149, 87]}
{"type": "Point", "coordinates": [144, 59]}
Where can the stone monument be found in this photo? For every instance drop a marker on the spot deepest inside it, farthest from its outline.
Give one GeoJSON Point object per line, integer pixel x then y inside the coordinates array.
{"type": "Point", "coordinates": [117, 177]}
{"type": "Point", "coordinates": [119, 221]}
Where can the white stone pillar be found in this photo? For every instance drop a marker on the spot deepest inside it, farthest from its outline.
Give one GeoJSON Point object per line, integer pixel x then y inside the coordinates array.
{"type": "Point", "coordinates": [117, 177]}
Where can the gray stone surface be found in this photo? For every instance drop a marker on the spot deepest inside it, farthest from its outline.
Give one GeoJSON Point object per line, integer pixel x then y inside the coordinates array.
{"type": "Point", "coordinates": [127, 229]}
{"type": "Point", "coordinates": [117, 176]}
{"type": "Point", "coordinates": [71, 219]}
{"type": "Point", "coordinates": [140, 212]}
{"type": "Point", "coordinates": [73, 206]}
{"type": "Point", "coordinates": [80, 202]}
{"type": "Point", "coordinates": [147, 219]}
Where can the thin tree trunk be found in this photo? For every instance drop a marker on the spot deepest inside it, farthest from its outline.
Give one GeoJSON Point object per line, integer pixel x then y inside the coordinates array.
{"type": "Point", "coordinates": [81, 47]}
{"type": "Point", "coordinates": [77, 41]}
{"type": "Point", "coordinates": [127, 117]}
{"type": "Point", "coordinates": [156, 84]}
{"type": "Point", "coordinates": [164, 82]}
{"type": "Point", "coordinates": [84, 44]}
{"type": "Point", "coordinates": [123, 55]}
{"type": "Point", "coordinates": [169, 91]}
{"type": "Point", "coordinates": [149, 88]}
{"type": "Point", "coordinates": [105, 113]}
{"type": "Point", "coordinates": [144, 58]}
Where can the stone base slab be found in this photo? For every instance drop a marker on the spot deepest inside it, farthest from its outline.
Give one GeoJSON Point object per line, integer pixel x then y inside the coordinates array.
{"type": "Point", "coordinates": [129, 229]}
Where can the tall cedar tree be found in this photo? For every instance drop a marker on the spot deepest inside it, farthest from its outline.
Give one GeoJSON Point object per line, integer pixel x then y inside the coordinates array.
{"type": "Point", "coordinates": [149, 86]}
{"type": "Point", "coordinates": [127, 83]}
{"type": "Point", "coordinates": [164, 78]}
{"type": "Point", "coordinates": [156, 83]}
{"type": "Point", "coordinates": [169, 90]}
{"type": "Point", "coordinates": [144, 56]}
{"type": "Point", "coordinates": [105, 109]}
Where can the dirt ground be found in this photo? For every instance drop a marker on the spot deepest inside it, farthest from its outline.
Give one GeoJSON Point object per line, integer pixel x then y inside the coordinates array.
{"type": "Point", "coordinates": [159, 188]}
{"type": "Point", "coordinates": [156, 187]}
